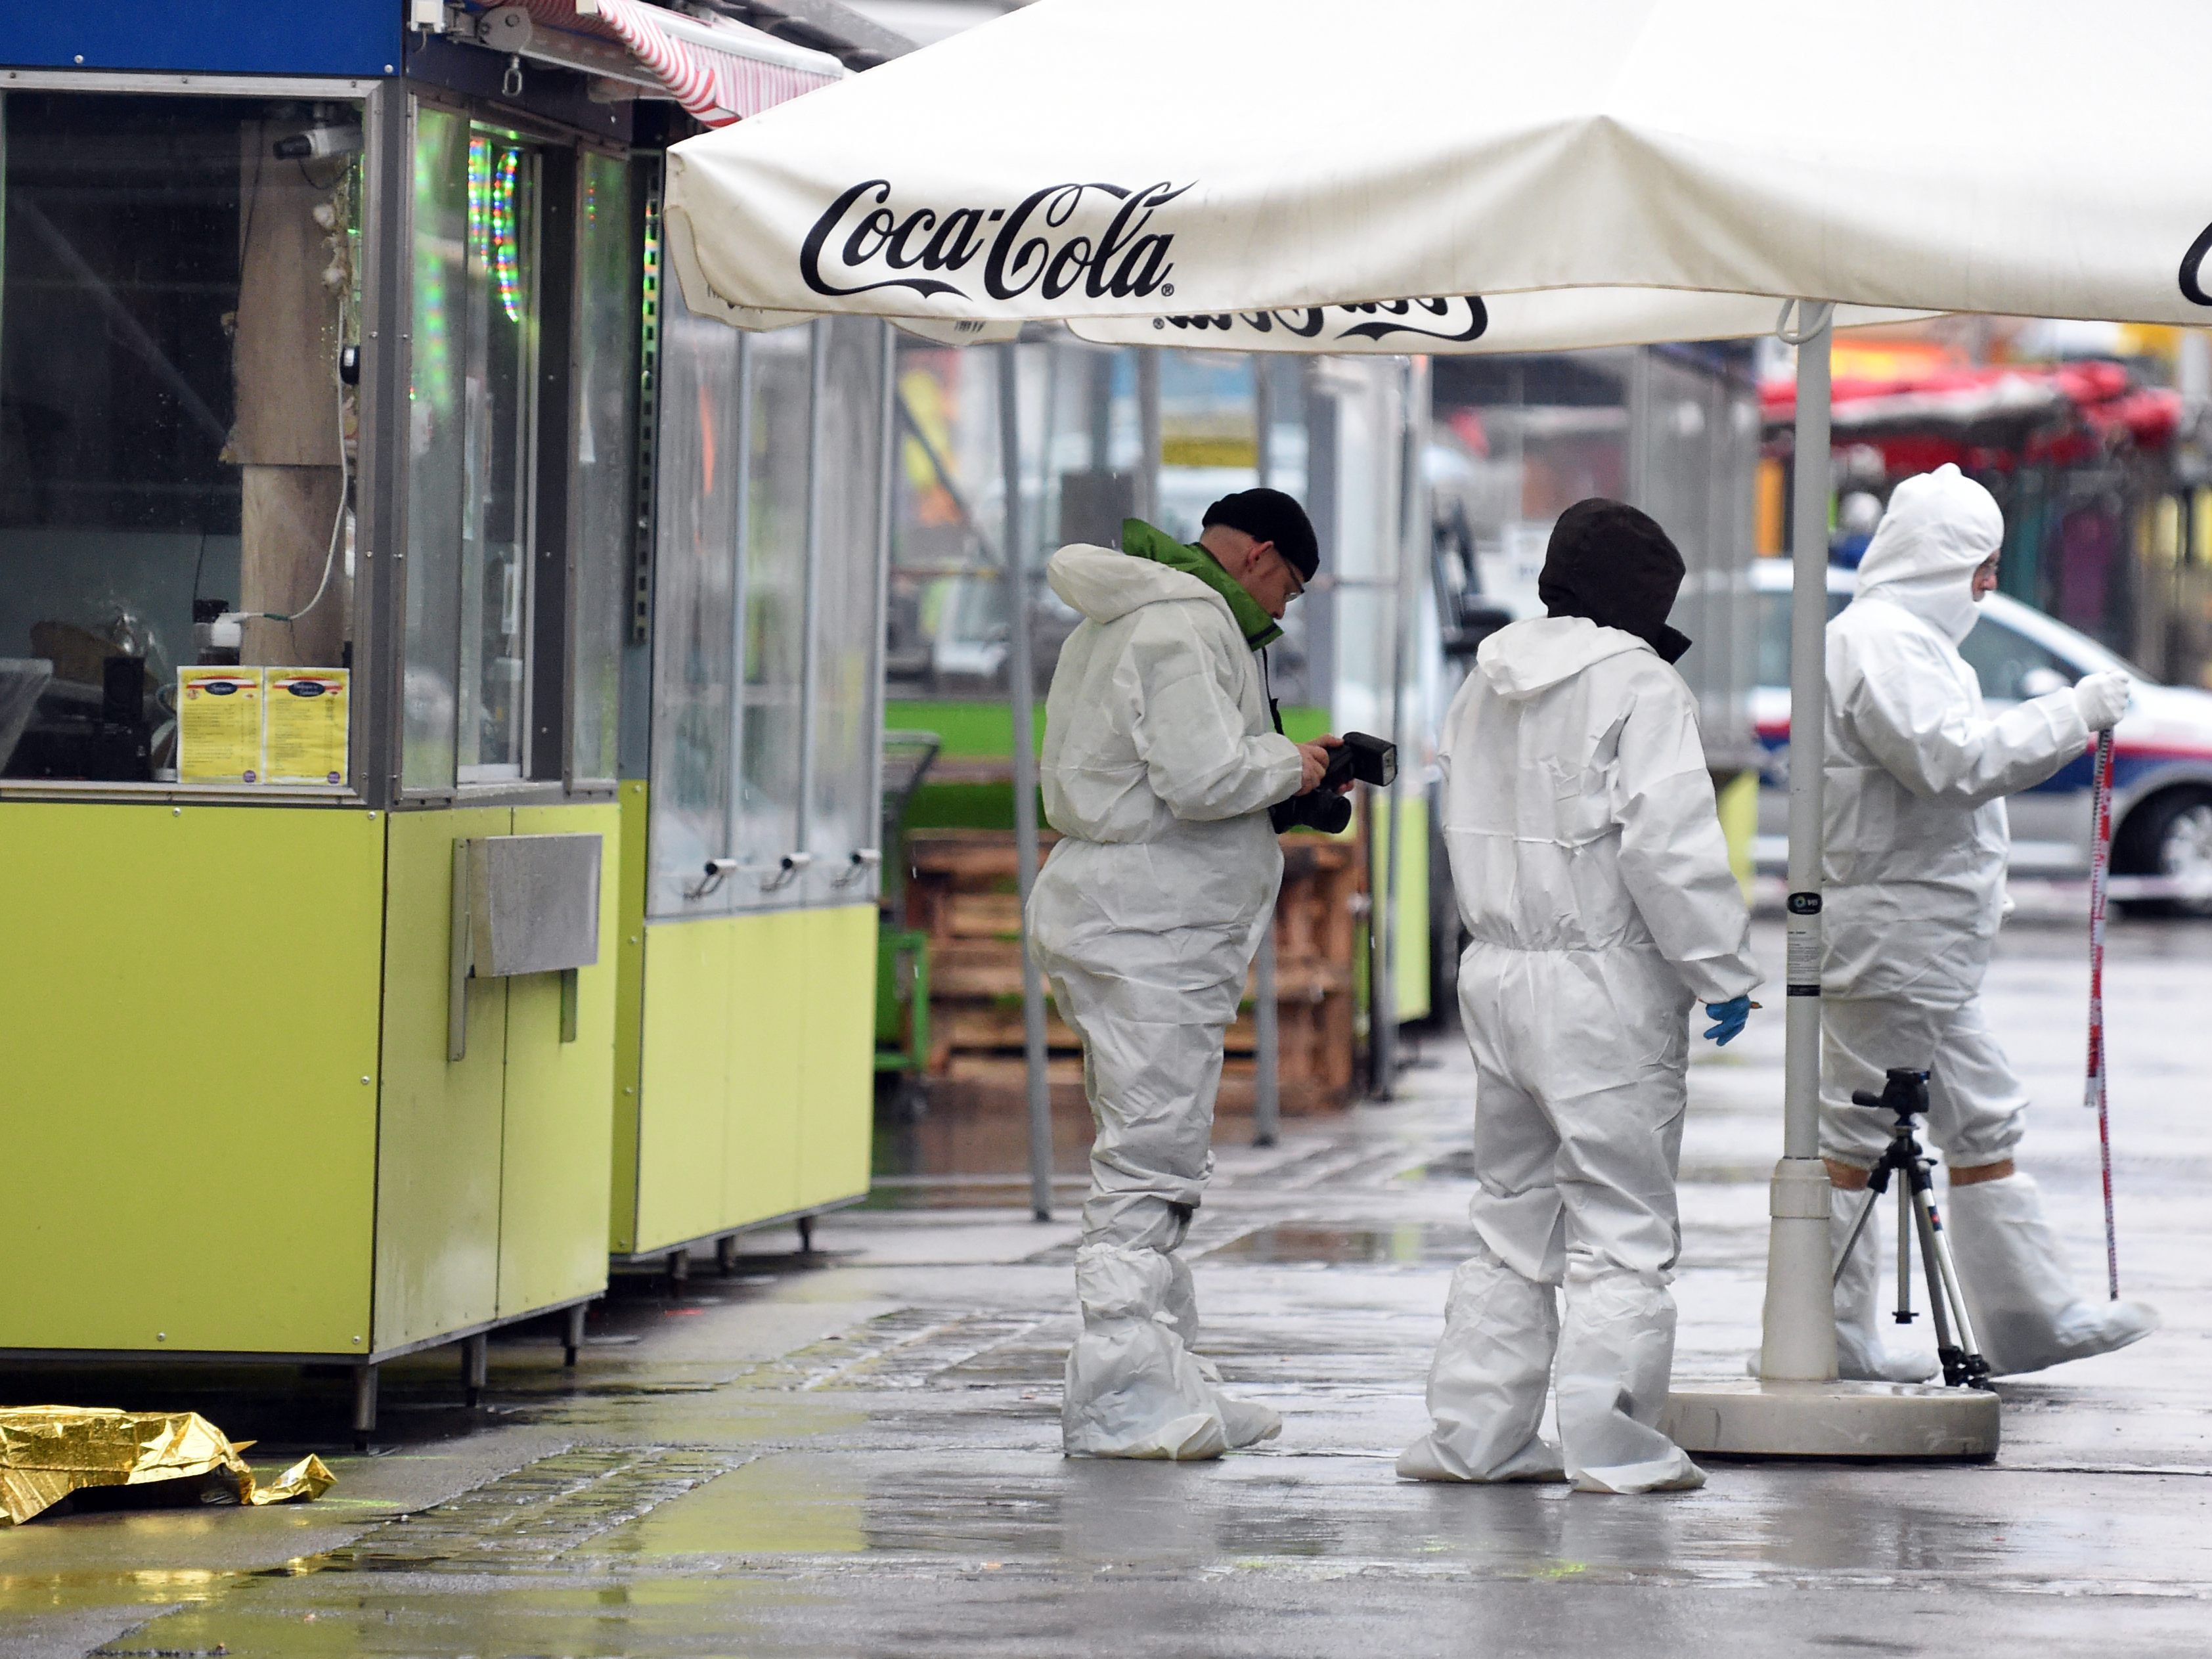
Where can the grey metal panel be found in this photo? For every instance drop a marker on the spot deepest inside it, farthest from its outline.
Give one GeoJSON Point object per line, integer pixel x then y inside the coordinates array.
{"type": "Point", "coordinates": [522, 904]}
{"type": "Point", "coordinates": [533, 904]}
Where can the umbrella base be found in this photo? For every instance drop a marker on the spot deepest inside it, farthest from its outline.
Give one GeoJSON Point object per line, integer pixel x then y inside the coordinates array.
{"type": "Point", "coordinates": [1758, 1418]}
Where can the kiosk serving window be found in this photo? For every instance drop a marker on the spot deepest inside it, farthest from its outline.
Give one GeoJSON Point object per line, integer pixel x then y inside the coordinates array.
{"type": "Point", "coordinates": [178, 282]}
{"type": "Point", "coordinates": [473, 497]}
{"type": "Point", "coordinates": [780, 392]}
{"type": "Point", "coordinates": [521, 440]}
{"type": "Point", "coordinates": [765, 605]}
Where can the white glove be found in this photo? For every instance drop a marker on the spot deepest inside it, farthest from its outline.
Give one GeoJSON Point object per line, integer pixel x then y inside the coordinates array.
{"type": "Point", "coordinates": [2102, 697]}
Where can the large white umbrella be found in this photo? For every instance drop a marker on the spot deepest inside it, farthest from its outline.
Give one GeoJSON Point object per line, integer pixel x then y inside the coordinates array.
{"type": "Point", "coordinates": [1254, 172]}
{"type": "Point", "coordinates": [1135, 158]}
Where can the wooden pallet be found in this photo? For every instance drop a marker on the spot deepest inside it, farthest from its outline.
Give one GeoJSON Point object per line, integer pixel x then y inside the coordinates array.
{"type": "Point", "coordinates": [963, 894]}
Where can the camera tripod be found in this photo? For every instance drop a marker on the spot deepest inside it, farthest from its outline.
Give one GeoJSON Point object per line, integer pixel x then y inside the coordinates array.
{"type": "Point", "coordinates": [1905, 1092]}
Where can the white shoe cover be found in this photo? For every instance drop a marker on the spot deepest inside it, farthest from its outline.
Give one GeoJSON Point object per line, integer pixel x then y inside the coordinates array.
{"type": "Point", "coordinates": [1616, 1360]}
{"type": "Point", "coordinates": [1247, 1422]}
{"type": "Point", "coordinates": [1675, 1474]}
{"type": "Point", "coordinates": [2026, 1313]}
{"type": "Point", "coordinates": [1432, 1458]}
{"type": "Point", "coordinates": [1486, 1383]}
{"type": "Point", "coordinates": [1861, 1356]}
{"type": "Point", "coordinates": [1133, 1388]}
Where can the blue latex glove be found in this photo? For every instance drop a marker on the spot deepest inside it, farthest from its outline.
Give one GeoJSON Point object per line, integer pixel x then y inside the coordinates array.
{"type": "Point", "coordinates": [1730, 1015]}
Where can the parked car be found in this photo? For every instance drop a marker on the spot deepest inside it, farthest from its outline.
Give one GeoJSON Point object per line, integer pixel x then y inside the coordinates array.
{"type": "Point", "coordinates": [2161, 766]}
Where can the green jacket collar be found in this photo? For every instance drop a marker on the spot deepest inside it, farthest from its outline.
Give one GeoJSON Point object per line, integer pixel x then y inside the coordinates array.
{"type": "Point", "coordinates": [1139, 540]}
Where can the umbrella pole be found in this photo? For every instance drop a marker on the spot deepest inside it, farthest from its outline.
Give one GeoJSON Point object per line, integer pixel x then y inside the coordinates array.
{"type": "Point", "coordinates": [1021, 698]}
{"type": "Point", "coordinates": [1267, 1012]}
{"type": "Point", "coordinates": [1799, 1324]}
{"type": "Point", "coordinates": [1796, 1407]}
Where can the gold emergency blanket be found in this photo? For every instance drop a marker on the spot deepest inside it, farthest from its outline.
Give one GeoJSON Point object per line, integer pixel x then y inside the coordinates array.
{"type": "Point", "coordinates": [48, 1452]}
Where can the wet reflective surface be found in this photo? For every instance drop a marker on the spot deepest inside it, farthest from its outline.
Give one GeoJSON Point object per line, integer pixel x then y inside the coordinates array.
{"type": "Point", "coordinates": [858, 1452]}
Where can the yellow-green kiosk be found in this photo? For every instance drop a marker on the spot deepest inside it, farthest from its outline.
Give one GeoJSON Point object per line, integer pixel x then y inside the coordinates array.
{"type": "Point", "coordinates": [371, 957]}
{"type": "Point", "coordinates": [750, 798]}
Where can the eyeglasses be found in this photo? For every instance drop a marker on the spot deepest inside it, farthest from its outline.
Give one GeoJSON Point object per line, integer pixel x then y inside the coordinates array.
{"type": "Point", "coordinates": [1297, 585]}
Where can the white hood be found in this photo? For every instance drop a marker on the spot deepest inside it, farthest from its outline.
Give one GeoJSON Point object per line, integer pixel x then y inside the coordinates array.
{"type": "Point", "coordinates": [1939, 526]}
{"type": "Point", "coordinates": [1105, 584]}
{"type": "Point", "coordinates": [1533, 656]}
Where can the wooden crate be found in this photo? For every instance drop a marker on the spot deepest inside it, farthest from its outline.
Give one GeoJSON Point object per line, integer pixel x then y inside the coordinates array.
{"type": "Point", "coordinates": [962, 893]}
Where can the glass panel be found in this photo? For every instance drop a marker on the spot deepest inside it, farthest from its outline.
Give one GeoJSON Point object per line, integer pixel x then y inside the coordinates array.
{"type": "Point", "coordinates": [782, 417]}
{"type": "Point", "coordinates": [1687, 440]}
{"type": "Point", "coordinates": [842, 820]}
{"type": "Point", "coordinates": [948, 610]}
{"type": "Point", "coordinates": [499, 376]}
{"type": "Point", "coordinates": [173, 297]}
{"type": "Point", "coordinates": [1209, 434]}
{"type": "Point", "coordinates": [434, 446]}
{"type": "Point", "coordinates": [694, 635]}
{"type": "Point", "coordinates": [1516, 441]}
{"type": "Point", "coordinates": [1278, 384]}
{"type": "Point", "coordinates": [608, 268]}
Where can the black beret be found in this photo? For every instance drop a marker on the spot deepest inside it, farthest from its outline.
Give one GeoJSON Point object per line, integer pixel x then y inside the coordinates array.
{"type": "Point", "coordinates": [1614, 565]}
{"type": "Point", "coordinates": [1269, 515]}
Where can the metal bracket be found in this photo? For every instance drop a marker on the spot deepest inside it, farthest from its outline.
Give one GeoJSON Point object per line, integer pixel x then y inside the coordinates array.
{"type": "Point", "coordinates": [793, 865]}
{"type": "Point", "coordinates": [649, 422]}
{"type": "Point", "coordinates": [460, 962]}
{"type": "Point", "coordinates": [864, 859]}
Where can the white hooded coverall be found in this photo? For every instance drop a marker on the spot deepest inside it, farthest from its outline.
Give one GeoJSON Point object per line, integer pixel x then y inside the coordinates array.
{"type": "Point", "coordinates": [1594, 880]}
{"type": "Point", "coordinates": [1160, 761]}
{"type": "Point", "coordinates": [1915, 848]}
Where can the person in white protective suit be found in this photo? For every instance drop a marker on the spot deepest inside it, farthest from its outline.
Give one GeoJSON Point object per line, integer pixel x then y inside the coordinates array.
{"type": "Point", "coordinates": [1593, 877]}
{"type": "Point", "coordinates": [1161, 758]}
{"type": "Point", "coordinates": [1914, 880]}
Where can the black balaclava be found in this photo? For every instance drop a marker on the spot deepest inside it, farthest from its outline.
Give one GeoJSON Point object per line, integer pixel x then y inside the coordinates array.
{"type": "Point", "coordinates": [1614, 565]}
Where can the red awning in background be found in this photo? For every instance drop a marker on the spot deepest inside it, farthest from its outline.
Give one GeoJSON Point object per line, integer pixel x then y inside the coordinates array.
{"type": "Point", "coordinates": [2057, 412]}
{"type": "Point", "coordinates": [719, 70]}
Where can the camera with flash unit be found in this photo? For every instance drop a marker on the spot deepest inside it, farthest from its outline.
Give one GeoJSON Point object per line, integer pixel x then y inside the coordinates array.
{"type": "Point", "coordinates": [1359, 759]}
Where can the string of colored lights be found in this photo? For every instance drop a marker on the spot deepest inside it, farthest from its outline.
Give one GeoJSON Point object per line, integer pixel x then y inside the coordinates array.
{"type": "Point", "coordinates": [506, 261]}
{"type": "Point", "coordinates": [494, 220]}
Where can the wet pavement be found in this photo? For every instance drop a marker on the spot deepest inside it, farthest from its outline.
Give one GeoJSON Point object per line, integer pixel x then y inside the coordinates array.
{"type": "Point", "coordinates": [859, 1453]}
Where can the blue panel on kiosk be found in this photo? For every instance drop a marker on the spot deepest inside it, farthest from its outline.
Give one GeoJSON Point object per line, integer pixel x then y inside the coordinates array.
{"type": "Point", "coordinates": [206, 37]}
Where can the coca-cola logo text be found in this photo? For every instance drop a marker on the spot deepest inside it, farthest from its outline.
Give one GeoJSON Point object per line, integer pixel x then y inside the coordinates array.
{"type": "Point", "coordinates": [1094, 237]}
{"type": "Point", "coordinates": [2192, 269]}
{"type": "Point", "coordinates": [1449, 320]}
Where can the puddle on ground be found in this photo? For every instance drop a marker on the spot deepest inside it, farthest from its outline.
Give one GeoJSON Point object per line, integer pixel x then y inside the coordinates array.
{"type": "Point", "coordinates": [912, 1348]}
{"type": "Point", "coordinates": [538, 1511]}
{"type": "Point", "coordinates": [965, 1193]}
{"type": "Point", "coordinates": [1406, 1244]}
{"type": "Point", "coordinates": [777, 1505]}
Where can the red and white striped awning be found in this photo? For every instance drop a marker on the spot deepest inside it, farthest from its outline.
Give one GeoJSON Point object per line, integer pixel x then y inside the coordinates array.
{"type": "Point", "coordinates": [718, 70]}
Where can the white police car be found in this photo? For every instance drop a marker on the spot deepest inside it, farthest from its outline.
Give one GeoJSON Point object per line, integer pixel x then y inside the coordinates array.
{"type": "Point", "coordinates": [2161, 760]}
